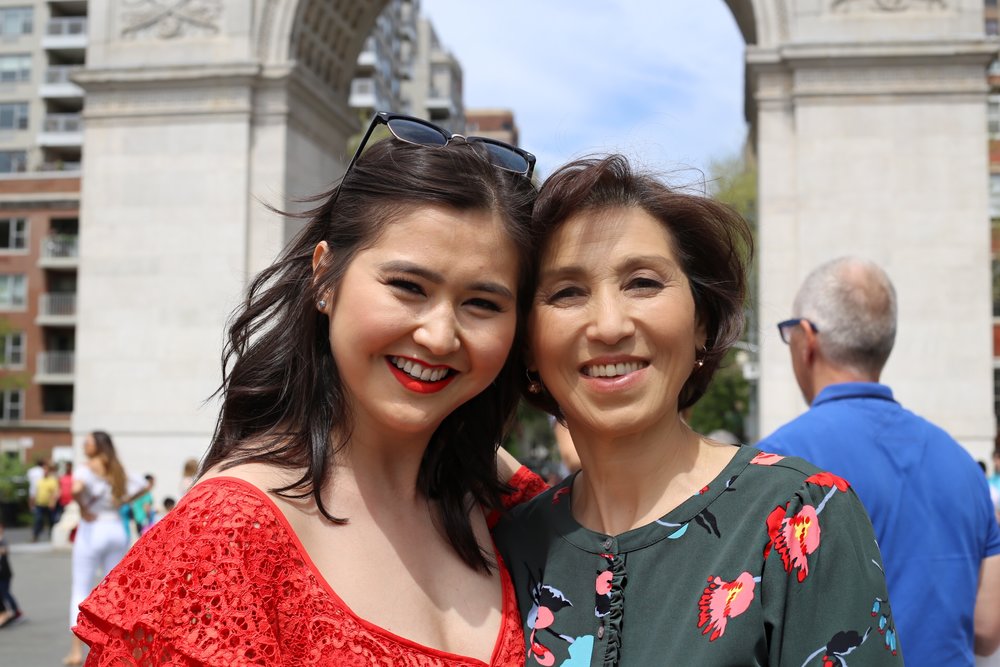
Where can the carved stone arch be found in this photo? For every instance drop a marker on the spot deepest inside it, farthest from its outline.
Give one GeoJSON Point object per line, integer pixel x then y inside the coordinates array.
{"type": "Point", "coordinates": [763, 23]}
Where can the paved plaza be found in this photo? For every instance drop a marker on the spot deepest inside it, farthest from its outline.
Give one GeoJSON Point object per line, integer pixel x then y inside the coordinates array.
{"type": "Point", "coordinates": [41, 586]}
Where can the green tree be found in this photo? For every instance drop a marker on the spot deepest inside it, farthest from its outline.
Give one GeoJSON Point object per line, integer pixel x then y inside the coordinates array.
{"type": "Point", "coordinates": [730, 398]}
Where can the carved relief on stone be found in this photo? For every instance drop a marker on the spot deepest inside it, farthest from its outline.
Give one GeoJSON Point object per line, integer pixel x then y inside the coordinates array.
{"type": "Point", "coordinates": [170, 19]}
{"type": "Point", "coordinates": [887, 5]}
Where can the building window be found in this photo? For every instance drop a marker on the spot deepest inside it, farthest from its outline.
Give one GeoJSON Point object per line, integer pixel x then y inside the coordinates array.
{"type": "Point", "coordinates": [15, 68]}
{"type": "Point", "coordinates": [13, 162]}
{"type": "Point", "coordinates": [16, 21]}
{"type": "Point", "coordinates": [992, 27]}
{"type": "Point", "coordinates": [13, 234]}
{"type": "Point", "coordinates": [12, 349]}
{"type": "Point", "coordinates": [13, 291]}
{"type": "Point", "coordinates": [57, 398]}
{"type": "Point", "coordinates": [14, 116]}
{"type": "Point", "coordinates": [11, 405]}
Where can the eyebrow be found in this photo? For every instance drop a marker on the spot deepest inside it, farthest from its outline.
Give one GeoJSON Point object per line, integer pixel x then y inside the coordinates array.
{"type": "Point", "coordinates": [631, 262]}
{"type": "Point", "coordinates": [438, 279]}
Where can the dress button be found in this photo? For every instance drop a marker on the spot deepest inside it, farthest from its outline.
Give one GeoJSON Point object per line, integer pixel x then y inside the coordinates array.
{"type": "Point", "coordinates": [607, 543]}
{"type": "Point", "coordinates": [600, 631]}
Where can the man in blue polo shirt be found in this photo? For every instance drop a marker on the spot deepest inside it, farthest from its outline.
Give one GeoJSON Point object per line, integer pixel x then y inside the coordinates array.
{"type": "Point", "coordinates": [927, 498]}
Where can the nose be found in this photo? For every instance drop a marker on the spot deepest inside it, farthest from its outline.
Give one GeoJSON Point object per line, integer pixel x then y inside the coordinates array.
{"type": "Point", "coordinates": [611, 321]}
{"type": "Point", "coordinates": [437, 331]}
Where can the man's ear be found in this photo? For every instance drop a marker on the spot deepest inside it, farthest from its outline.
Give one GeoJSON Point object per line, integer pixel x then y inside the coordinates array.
{"type": "Point", "coordinates": [811, 343]}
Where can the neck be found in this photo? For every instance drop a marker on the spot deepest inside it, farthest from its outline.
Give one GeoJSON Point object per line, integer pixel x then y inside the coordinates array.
{"type": "Point", "coordinates": [380, 469]}
{"type": "Point", "coordinates": [826, 374]}
{"type": "Point", "coordinates": [629, 481]}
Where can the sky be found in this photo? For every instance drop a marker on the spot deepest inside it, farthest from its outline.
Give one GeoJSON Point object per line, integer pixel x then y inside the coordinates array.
{"type": "Point", "coordinates": [658, 80]}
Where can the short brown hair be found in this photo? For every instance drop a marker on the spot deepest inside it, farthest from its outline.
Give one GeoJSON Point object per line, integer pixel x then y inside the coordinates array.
{"type": "Point", "coordinates": [713, 243]}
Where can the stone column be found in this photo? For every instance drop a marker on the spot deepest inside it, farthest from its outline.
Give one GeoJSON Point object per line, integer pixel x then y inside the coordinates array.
{"type": "Point", "coordinates": [872, 139]}
{"type": "Point", "coordinates": [194, 116]}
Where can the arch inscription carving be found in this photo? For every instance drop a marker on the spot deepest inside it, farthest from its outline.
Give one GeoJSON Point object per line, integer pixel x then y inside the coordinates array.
{"type": "Point", "coordinates": [170, 19]}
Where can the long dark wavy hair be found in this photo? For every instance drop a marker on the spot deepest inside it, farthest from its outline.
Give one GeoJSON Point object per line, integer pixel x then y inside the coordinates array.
{"type": "Point", "coordinates": [713, 243]}
{"type": "Point", "coordinates": [283, 400]}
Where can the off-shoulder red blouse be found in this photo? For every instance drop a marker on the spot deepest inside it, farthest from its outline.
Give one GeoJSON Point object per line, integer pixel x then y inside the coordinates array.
{"type": "Point", "coordinates": [223, 580]}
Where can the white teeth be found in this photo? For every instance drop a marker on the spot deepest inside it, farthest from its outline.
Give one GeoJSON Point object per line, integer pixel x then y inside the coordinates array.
{"type": "Point", "coordinates": [418, 371]}
{"type": "Point", "coordinates": [613, 370]}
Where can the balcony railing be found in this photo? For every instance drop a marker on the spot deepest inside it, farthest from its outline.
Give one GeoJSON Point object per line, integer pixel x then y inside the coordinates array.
{"type": "Point", "coordinates": [66, 26]}
{"type": "Point", "coordinates": [59, 165]}
{"type": "Point", "coordinates": [61, 246]}
{"type": "Point", "coordinates": [60, 74]}
{"type": "Point", "coordinates": [63, 122]}
{"type": "Point", "coordinates": [57, 305]}
{"type": "Point", "coordinates": [55, 367]}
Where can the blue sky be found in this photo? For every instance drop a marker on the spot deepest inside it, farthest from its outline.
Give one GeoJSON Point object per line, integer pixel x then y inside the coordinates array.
{"type": "Point", "coordinates": [659, 80]}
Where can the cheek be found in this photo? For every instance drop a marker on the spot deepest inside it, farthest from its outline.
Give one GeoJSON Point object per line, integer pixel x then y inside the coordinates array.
{"type": "Point", "coordinates": [491, 346]}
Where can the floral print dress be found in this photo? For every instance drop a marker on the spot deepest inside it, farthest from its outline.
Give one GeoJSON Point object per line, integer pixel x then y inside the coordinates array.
{"type": "Point", "coordinates": [773, 563]}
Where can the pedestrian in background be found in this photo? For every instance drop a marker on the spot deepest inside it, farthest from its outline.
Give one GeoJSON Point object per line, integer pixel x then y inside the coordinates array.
{"type": "Point", "coordinates": [928, 499]}
{"type": "Point", "coordinates": [45, 501]}
{"type": "Point", "coordinates": [143, 511]}
{"type": "Point", "coordinates": [101, 488]}
{"type": "Point", "coordinates": [188, 475]}
{"type": "Point", "coordinates": [65, 489]}
{"type": "Point", "coordinates": [11, 612]}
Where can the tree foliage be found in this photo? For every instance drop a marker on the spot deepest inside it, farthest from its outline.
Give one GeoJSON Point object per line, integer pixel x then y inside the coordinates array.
{"type": "Point", "coordinates": [727, 402]}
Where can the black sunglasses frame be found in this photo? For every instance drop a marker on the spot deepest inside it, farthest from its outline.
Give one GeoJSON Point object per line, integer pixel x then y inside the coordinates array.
{"type": "Point", "coordinates": [786, 325]}
{"type": "Point", "coordinates": [385, 118]}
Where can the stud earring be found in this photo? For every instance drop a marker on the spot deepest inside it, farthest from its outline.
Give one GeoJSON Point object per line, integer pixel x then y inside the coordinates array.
{"type": "Point", "coordinates": [534, 383]}
{"type": "Point", "coordinates": [699, 359]}
{"type": "Point", "coordinates": [321, 304]}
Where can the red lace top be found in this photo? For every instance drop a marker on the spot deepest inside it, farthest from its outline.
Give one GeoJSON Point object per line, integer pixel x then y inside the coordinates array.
{"type": "Point", "coordinates": [223, 580]}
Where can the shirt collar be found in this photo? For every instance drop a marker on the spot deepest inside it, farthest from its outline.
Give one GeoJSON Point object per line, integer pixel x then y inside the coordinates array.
{"type": "Point", "coordinates": [837, 392]}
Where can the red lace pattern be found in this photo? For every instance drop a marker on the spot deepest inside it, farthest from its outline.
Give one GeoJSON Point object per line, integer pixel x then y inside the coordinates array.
{"type": "Point", "coordinates": [220, 581]}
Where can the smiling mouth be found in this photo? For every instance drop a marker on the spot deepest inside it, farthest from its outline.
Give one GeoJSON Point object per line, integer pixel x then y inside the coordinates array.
{"type": "Point", "coordinates": [418, 371]}
{"type": "Point", "coordinates": [613, 370]}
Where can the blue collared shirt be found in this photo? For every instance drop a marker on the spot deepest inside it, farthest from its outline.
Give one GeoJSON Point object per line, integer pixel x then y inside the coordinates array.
{"type": "Point", "coordinates": [929, 503]}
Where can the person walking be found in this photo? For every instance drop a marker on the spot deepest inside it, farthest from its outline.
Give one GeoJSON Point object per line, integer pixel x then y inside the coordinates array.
{"type": "Point", "coordinates": [45, 502]}
{"type": "Point", "coordinates": [11, 611]}
{"type": "Point", "coordinates": [101, 488]}
{"type": "Point", "coordinates": [927, 498]}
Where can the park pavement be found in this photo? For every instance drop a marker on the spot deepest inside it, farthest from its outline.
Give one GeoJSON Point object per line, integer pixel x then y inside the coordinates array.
{"type": "Point", "coordinates": [41, 586]}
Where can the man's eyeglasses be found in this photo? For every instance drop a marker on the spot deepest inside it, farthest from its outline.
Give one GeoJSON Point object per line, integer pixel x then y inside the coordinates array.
{"type": "Point", "coordinates": [418, 131]}
{"type": "Point", "coordinates": [785, 328]}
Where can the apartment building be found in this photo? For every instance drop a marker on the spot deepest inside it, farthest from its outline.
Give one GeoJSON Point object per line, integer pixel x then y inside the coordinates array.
{"type": "Point", "coordinates": [404, 67]}
{"type": "Point", "coordinates": [42, 42]}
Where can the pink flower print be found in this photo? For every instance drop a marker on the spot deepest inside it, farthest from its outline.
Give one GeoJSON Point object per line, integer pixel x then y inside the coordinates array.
{"type": "Point", "coordinates": [723, 600]}
{"type": "Point", "coordinates": [828, 479]}
{"type": "Point", "coordinates": [766, 459]}
{"type": "Point", "coordinates": [604, 582]}
{"type": "Point", "coordinates": [795, 538]}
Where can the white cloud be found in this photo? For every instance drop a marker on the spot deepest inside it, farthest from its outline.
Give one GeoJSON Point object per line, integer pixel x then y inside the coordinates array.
{"type": "Point", "coordinates": [659, 80]}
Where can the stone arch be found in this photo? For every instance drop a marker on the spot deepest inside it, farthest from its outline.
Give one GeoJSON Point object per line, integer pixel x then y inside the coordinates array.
{"type": "Point", "coordinates": [186, 130]}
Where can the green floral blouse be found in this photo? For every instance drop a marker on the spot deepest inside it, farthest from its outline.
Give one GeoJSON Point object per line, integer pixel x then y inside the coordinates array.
{"type": "Point", "coordinates": [773, 563]}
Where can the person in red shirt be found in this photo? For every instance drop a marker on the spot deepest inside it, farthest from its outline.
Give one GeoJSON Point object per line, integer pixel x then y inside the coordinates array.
{"type": "Point", "coordinates": [342, 515]}
{"type": "Point", "coordinates": [65, 490]}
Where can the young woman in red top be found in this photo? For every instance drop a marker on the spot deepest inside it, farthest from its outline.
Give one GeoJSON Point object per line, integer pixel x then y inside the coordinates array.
{"type": "Point", "coordinates": [342, 515]}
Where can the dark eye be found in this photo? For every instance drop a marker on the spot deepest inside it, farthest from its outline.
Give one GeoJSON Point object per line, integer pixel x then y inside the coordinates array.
{"type": "Point", "coordinates": [406, 285]}
{"type": "Point", "coordinates": [643, 283]}
{"type": "Point", "coordinates": [485, 304]}
{"type": "Point", "coordinates": [565, 294]}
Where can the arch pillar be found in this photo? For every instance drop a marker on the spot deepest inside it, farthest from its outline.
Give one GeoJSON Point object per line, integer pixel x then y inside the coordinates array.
{"type": "Point", "coordinates": [871, 136]}
{"type": "Point", "coordinates": [193, 116]}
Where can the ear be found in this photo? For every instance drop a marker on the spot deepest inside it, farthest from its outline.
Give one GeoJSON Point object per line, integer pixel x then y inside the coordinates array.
{"type": "Point", "coordinates": [320, 254]}
{"type": "Point", "coordinates": [810, 349]}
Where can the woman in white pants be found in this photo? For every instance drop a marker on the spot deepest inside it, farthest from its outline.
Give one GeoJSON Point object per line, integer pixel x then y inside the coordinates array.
{"type": "Point", "coordinates": [101, 488]}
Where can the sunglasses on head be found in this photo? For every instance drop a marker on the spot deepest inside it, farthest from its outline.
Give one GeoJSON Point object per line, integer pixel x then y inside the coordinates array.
{"type": "Point", "coordinates": [423, 133]}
